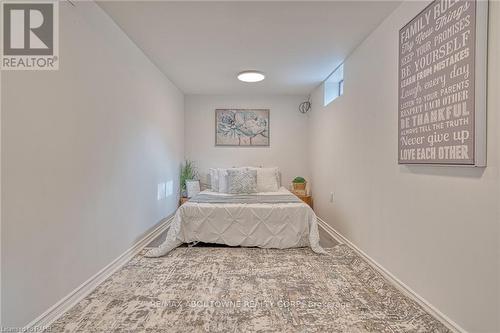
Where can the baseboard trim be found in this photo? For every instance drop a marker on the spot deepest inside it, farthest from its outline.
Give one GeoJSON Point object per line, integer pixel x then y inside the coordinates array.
{"type": "Point", "coordinates": [407, 291]}
{"type": "Point", "coordinates": [66, 303]}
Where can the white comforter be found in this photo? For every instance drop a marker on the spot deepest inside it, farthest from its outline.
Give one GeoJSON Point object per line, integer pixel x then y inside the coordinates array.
{"type": "Point", "coordinates": [277, 225]}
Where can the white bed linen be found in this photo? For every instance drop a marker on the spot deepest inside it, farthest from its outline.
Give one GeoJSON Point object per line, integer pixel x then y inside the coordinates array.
{"type": "Point", "coordinates": [282, 225]}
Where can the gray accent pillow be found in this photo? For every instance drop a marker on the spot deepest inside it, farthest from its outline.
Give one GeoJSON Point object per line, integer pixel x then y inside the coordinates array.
{"type": "Point", "coordinates": [241, 181]}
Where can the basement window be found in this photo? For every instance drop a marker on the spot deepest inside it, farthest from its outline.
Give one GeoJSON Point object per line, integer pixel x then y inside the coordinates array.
{"type": "Point", "coordinates": [334, 85]}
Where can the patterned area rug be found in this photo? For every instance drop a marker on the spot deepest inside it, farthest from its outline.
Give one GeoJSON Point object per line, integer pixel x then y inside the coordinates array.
{"type": "Point", "coordinates": [247, 290]}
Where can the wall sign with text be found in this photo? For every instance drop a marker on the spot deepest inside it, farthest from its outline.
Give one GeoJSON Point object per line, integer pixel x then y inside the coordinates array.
{"type": "Point", "coordinates": [442, 85]}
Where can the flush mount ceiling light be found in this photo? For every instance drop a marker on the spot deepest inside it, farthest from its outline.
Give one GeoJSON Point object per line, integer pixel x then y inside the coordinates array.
{"type": "Point", "coordinates": [251, 76]}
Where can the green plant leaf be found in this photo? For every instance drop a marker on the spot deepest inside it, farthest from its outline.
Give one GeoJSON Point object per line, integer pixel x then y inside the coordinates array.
{"type": "Point", "coordinates": [188, 172]}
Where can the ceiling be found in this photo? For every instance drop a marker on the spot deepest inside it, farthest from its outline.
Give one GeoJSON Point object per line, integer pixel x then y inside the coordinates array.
{"type": "Point", "coordinates": [201, 46]}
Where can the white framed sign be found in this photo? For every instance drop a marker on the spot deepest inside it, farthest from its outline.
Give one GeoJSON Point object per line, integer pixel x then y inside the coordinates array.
{"type": "Point", "coordinates": [442, 85]}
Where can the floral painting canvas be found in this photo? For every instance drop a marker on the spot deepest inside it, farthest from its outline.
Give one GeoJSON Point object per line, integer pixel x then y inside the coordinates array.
{"type": "Point", "coordinates": [242, 127]}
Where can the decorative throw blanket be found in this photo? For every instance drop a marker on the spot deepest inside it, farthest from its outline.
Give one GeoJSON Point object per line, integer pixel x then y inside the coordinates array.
{"type": "Point", "coordinates": [245, 198]}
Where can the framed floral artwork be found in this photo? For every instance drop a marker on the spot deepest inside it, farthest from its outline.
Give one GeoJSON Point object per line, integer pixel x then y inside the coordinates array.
{"type": "Point", "coordinates": [242, 127]}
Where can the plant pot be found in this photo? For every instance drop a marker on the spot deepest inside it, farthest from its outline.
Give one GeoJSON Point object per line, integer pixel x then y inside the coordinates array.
{"type": "Point", "coordinates": [192, 187]}
{"type": "Point", "coordinates": [299, 186]}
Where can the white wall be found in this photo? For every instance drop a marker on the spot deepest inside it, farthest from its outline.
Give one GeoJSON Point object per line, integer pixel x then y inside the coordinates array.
{"type": "Point", "coordinates": [288, 128]}
{"type": "Point", "coordinates": [435, 228]}
{"type": "Point", "coordinates": [1, 264]}
{"type": "Point", "coordinates": [83, 150]}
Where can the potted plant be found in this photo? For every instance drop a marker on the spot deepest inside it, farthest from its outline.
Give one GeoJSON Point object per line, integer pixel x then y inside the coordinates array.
{"type": "Point", "coordinates": [188, 172]}
{"type": "Point", "coordinates": [299, 184]}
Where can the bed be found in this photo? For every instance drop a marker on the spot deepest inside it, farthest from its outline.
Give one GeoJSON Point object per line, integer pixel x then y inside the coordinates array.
{"type": "Point", "coordinates": [266, 219]}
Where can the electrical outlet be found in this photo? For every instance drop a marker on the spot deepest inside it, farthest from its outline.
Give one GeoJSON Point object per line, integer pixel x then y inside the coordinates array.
{"type": "Point", "coordinates": [160, 194]}
{"type": "Point", "coordinates": [169, 188]}
{"type": "Point", "coordinates": [163, 190]}
{"type": "Point", "coordinates": [331, 197]}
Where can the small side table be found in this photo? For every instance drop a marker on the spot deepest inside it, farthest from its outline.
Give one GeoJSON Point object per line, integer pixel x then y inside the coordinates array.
{"type": "Point", "coordinates": [183, 200]}
{"type": "Point", "coordinates": [307, 199]}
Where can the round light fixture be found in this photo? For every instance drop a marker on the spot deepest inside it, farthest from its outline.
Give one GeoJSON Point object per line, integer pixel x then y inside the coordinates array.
{"type": "Point", "coordinates": [251, 76]}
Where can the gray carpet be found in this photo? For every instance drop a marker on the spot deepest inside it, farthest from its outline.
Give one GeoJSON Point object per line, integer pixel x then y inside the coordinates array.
{"type": "Point", "coordinates": [247, 290]}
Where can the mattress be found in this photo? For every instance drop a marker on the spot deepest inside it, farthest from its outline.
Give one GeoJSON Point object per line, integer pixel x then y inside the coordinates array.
{"type": "Point", "coordinates": [256, 224]}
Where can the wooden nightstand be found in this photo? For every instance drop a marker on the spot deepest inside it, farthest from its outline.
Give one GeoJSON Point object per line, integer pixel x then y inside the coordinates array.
{"type": "Point", "coordinates": [183, 200]}
{"type": "Point", "coordinates": [307, 199]}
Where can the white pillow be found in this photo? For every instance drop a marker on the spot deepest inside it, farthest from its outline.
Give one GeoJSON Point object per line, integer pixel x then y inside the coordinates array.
{"type": "Point", "coordinates": [214, 179]}
{"type": "Point", "coordinates": [222, 175]}
{"type": "Point", "coordinates": [267, 179]}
